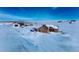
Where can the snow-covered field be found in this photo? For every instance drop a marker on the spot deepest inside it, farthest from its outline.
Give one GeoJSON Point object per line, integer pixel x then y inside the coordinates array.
{"type": "Point", "coordinates": [21, 39]}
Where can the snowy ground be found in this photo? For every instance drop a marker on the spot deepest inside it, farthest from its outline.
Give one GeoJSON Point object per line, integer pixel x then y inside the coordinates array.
{"type": "Point", "coordinates": [21, 39]}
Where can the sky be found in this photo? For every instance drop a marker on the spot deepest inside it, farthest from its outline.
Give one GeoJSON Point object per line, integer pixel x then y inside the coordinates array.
{"type": "Point", "coordinates": [39, 13]}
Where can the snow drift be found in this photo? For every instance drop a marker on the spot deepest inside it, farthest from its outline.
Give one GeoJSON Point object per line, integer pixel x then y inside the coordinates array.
{"type": "Point", "coordinates": [21, 39]}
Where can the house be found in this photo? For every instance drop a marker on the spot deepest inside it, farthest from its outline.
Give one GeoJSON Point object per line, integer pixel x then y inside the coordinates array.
{"type": "Point", "coordinates": [53, 28]}
{"type": "Point", "coordinates": [48, 28]}
{"type": "Point", "coordinates": [43, 29]}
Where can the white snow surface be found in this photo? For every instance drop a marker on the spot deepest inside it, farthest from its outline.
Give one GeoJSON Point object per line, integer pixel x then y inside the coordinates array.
{"type": "Point", "coordinates": [14, 39]}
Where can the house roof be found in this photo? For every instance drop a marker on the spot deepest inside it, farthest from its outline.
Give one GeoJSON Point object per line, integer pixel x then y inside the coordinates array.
{"type": "Point", "coordinates": [55, 27]}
